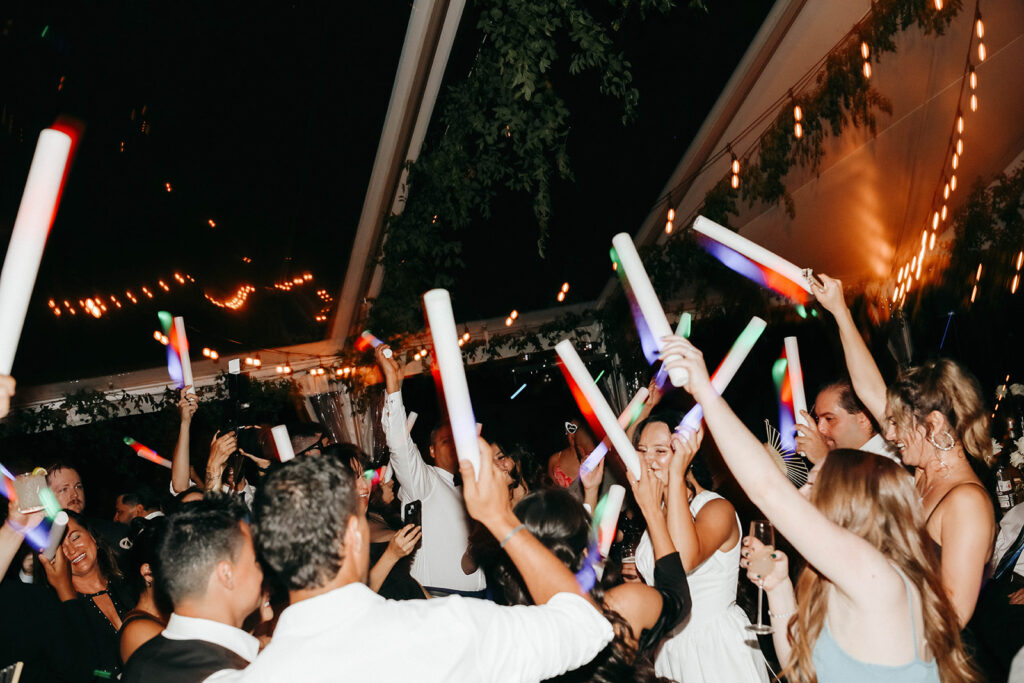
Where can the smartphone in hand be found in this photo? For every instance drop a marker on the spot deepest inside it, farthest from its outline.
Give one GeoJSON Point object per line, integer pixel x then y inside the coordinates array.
{"type": "Point", "coordinates": [413, 513]}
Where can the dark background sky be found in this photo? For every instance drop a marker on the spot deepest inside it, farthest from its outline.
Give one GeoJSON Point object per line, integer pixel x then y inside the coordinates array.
{"type": "Point", "coordinates": [267, 121]}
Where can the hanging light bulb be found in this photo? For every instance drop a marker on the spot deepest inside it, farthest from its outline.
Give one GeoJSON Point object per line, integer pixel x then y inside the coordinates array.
{"type": "Point", "coordinates": [960, 123]}
{"type": "Point", "coordinates": [982, 53]}
{"type": "Point", "coordinates": [959, 145]}
{"type": "Point", "coordinates": [944, 209]}
{"type": "Point", "coordinates": [973, 79]}
{"type": "Point", "coordinates": [798, 130]}
{"type": "Point", "coordinates": [735, 165]}
{"type": "Point", "coordinates": [735, 181]}
{"type": "Point", "coordinates": [1016, 281]}
{"type": "Point", "coordinates": [671, 214]}
{"type": "Point", "coordinates": [865, 51]}
{"type": "Point", "coordinates": [938, 5]}
{"type": "Point", "coordinates": [924, 238]}
{"type": "Point", "coordinates": [974, 293]}
{"type": "Point", "coordinates": [867, 69]}
{"type": "Point", "coordinates": [945, 191]}
{"type": "Point", "coordinates": [931, 242]}
{"type": "Point", "coordinates": [952, 183]}
{"type": "Point", "coordinates": [1020, 259]}
{"type": "Point", "coordinates": [798, 113]}
{"type": "Point", "coordinates": [974, 102]}
{"type": "Point", "coordinates": [956, 160]}
{"type": "Point", "coordinates": [979, 27]}
{"type": "Point", "coordinates": [935, 220]}
{"type": "Point", "coordinates": [668, 230]}
{"type": "Point", "coordinates": [977, 276]}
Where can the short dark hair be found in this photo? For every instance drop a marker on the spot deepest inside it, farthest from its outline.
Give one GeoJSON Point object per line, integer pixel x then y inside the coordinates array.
{"type": "Point", "coordinates": [848, 400]}
{"type": "Point", "coordinates": [143, 495]}
{"type": "Point", "coordinates": [198, 536]}
{"type": "Point", "coordinates": [145, 536]}
{"type": "Point", "coordinates": [301, 513]}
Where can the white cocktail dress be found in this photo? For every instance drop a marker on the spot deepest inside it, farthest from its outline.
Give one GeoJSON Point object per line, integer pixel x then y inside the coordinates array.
{"type": "Point", "coordinates": [712, 645]}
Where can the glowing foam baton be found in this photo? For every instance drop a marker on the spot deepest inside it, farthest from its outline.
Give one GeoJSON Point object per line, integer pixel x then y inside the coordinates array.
{"type": "Point", "coordinates": [754, 261]}
{"type": "Point", "coordinates": [651, 323]}
{"type": "Point", "coordinates": [683, 330]}
{"type": "Point", "coordinates": [282, 442]}
{"type": "Point", "coordinates": [49, 502]}
{"type": "Point", "coordinates": [60, 523]}
{"type": "Point", "coordinates": [787, 425]}
{"type": "Point", "coordinates": [727, 369]}
{"type": "Point", "coordinates": [367, 341]}
{"type": "Point", "coordinates": [796, 379]}
{"type": "Point", "coordinates": [28, 237]}
{"type": "Point", "coordinates": [626, 418]}
{"type": "Point", "coordinates": [173, 359]}
{"type": "Point", "coordinates": [448, 355]}
{"type": "Point", "coordinates": [146, 453]}
{"type": "Point", "coordinates": [410, 420]}
{"type": "Point", "coordinates": [181, 346]}
{"type": "Point", "coordinates": [8, 491]}
{"type": "Point", "coordinates": [594, 406]}
{"type": "Point", "coordinates": [609, 517]}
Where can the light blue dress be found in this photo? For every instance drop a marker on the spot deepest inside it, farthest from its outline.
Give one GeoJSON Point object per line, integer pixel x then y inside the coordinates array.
{"type": "Point", "coordinates": [833, 665]}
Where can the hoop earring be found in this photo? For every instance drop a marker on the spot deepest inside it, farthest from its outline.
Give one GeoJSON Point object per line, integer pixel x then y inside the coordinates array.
{"type": "Point", "coordinates": [952, 442]}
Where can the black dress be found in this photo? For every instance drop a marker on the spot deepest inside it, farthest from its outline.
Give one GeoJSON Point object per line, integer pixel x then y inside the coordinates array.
{"type": "Point", "coordinates": [99, 635]}
{"type": "Point", "coordinates": [398, 585]}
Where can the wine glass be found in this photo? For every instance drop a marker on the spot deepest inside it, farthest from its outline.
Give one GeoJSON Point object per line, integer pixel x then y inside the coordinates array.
{"type": "Point", "coordinates": [761, 563]}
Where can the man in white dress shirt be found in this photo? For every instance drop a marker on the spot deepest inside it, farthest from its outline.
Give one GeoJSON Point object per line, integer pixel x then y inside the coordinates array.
{"type": "Point", "coordinates": [309, 531]}
{"type": "Point", "coordinates": [437, 565]}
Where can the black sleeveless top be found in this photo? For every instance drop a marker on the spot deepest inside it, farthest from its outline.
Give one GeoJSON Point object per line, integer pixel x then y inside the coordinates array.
{"type": "Point", "coordinates": [179, 661]}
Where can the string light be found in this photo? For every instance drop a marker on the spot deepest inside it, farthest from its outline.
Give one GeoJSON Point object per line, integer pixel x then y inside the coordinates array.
{"type": "Point", "coordinates": [952, 183]}
{"type": "Point", "coordinates": [866, 70]}
{"type": "Point", "coordinates": [671, 216]}
{"type": "Point", "coordinates": [865, 50]}
{"type": "Point", "coordinates": [956, 161]}
{"type": "Point", "coordinates": [973, 79]}
{"type": "Point", "coordinates": [212, 224]}
{"type": "Point", "coordinates": [514, 314]}
{"type": "Point", "coordinates": [935, 221]}
{"type": "Point", "coordinates": [735, 181]}
{"type": "Point", "coordinates": [943, 214]}
{"type": "Point", "coordinates": [938, 5]}
{"type": "Point", "coordinates": [931, 242]}
{"type": "Point", "coordinates": [168, 186]}
{"type": "Point", "coordinates": [979, 26]}
{"type": "Point", "coordinates": [974, 102]}
{"type": "Point", "coordinates": [982, 53]}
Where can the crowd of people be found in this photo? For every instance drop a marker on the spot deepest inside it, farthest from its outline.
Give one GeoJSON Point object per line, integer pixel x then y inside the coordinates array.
{"type": "Point", "coordinates": [319, 569]}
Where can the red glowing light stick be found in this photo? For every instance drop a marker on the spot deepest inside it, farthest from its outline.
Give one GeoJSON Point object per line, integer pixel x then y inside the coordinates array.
{"type": "Point", "coordinates": [594, 407]}
{"type": "Point", "coordinates": [754, 261]}
{"type": "Point", "coordinates": [28, 237]}
{"type": "Point", "coordinates": [367, 341]}
{"type": "Point", "coordinates": [146, 453]}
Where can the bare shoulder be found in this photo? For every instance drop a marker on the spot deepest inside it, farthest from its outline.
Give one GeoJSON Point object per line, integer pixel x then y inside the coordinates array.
{"type": "Point", "coordinates": [969, 505]}
{"type": "Point", "coordinates": [637, 603]}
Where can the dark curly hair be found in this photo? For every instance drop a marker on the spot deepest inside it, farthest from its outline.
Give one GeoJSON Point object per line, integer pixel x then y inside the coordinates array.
{"type": "Point", "coordinates": [562, 525]}
{"type": "Point", "coordinates": [301, 513]}
{"type": "Point", "coordinates": [672, 419]}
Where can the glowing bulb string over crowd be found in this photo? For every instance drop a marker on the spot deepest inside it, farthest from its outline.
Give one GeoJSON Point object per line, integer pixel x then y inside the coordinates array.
{"type": "Point", "coordinates": [910, 274]}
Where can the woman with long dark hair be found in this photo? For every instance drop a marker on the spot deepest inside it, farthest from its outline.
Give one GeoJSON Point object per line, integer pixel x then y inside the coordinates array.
{"type": "Point", "coordinates": [640, 614]}
{"type": "Point", "coordinates": [100, 597]}
{"type": "Point", "coordinates": [869, 605]}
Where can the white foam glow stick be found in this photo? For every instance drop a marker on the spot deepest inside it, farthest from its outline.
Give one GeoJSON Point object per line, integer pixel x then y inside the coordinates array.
{"type": "Point", "coordinates": [753, 251]}
{"type": "Point", "coordinates": [646, 299]}
{"type": "Point", "coordinates": [186, 362]}
{"type": "Point", "coordinates": [727, 370]}
{"type": "Point", "coordinates": [610, 517]}
{"type": "Point", "coordinates": [28, 238]}
{"type": "Point", "coordinates": [598, 406]}
{"type": "Point", "coordinates": [682, 330]}
{"type": "Point", "coordinates": [626, 418]}
{"type": "Point", "coordinates": [282, 442]}
{"type": "Point", "coordinates": [796, 379]}
{"type": "Point", "coordinates": [369, 338]}
{"type": "Point", "coordinates": [448, 354]}
{"type": "Point", "coordinates": [60, 523]}
{"type": "Point", "coordinates": [410, 420]}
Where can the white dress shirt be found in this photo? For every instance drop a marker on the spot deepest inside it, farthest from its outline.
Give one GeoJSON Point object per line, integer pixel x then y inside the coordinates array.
{"type": "Point", "coordinates": [1009, 528]}
{"type": "Point", "coordinates": [192, 628]}
{"type": "Point", "coordinates": [353, 634]}
{"type": "Point", "coordinates": [879, 446]}
{"type": "Point", "coordinates": [438, 562]}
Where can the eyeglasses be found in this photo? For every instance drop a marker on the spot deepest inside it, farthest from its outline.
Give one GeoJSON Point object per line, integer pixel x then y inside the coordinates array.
{"type": "Point", "coordinates": [571, 427]}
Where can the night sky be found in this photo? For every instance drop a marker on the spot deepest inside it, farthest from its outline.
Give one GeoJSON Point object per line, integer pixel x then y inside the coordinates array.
{"type": "Point", "coordinates": [266, 122]}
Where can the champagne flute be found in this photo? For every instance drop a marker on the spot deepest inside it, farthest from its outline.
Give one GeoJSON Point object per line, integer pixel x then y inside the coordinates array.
{"type": "Point", "coordinates": [761, 563]}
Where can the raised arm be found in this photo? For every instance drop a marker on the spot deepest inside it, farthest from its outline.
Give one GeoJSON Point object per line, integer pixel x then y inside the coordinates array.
{"type": "Point", "coordinates": [487, 502]}
{"type": "Point", "coordinates": [867, 381]}
{"type": "Point", "coordinates": [180, 463]}
{"type": "Point", "coordinates": [851, 563]}
{"type": "Point", "coordinates": [410, 470]}
{"type": "Point", "coordinates": [696, 539]}
{"type": "Point", "coordinates": [12, 533]}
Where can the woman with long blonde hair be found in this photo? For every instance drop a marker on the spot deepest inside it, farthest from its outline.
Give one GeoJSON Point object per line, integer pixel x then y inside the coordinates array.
{"type": "Point", "coordinates": [935, 416]}
{"type": "Point", "coordinates": [869, 606]}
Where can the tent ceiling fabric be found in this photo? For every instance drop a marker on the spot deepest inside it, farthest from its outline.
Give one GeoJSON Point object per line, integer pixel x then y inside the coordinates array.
{"type": "Point", "coordinates": [873, 193]}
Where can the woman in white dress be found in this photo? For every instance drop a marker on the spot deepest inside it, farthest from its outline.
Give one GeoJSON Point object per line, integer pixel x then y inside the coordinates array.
{"type": "Point", "coordinates": [712, 645]}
